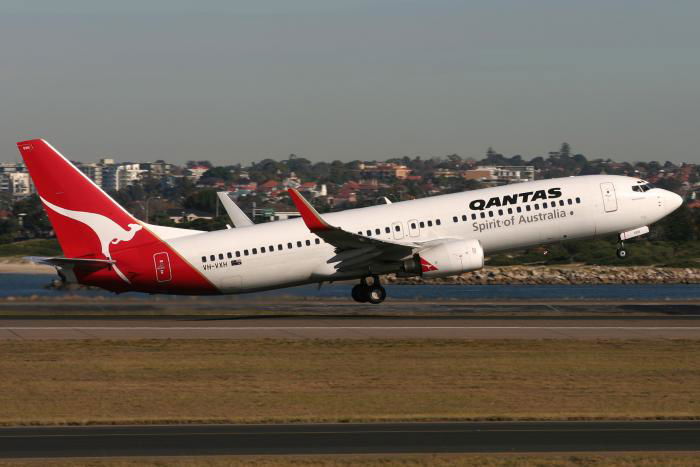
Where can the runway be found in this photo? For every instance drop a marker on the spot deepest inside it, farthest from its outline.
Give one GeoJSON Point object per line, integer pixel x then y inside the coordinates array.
{"type": "Point", "coordinates": [334, 320]}
{"type": "Point", "coordinates": [175, 440]}
{"type": "Point", "coordinates": [349, 328]}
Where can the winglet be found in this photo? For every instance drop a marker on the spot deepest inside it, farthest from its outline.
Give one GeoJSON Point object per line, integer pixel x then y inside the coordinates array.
{"type": "Point", "coordinates": [235, 213]}
{"type": "Point", "coordinates": [311, 217]}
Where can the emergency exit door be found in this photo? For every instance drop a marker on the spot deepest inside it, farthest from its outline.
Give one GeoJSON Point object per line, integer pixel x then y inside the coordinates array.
{"type": "Point", "coordinates": [162, 265]}
{"type": "Point", "coordinates": [609, 198]}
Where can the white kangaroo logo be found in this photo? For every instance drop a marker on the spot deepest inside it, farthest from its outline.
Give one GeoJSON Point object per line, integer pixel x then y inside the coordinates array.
{"type": "Point", "coordinates": [108, 231]}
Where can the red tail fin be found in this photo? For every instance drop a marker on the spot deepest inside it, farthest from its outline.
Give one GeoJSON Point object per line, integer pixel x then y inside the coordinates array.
{"type": "Point", "coordinates": [86, 220]}
{"type": "Point", "coordinates": [90, 224]}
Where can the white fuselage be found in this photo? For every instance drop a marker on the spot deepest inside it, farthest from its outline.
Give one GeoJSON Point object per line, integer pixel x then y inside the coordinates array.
{"type": "Point", "coordinates": [286, 253]}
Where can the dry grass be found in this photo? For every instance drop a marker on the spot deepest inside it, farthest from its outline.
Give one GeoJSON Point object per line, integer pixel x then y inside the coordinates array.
{"type": "Point", "coordinates": [241, 381]}
{"type": "Point", "coordinates": [409, 460]}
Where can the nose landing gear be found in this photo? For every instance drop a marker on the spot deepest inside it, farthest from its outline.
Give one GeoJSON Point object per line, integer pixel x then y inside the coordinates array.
{"type": "Point", "coordinates": [373, 293]}
{"type": "Point", "coordinates": [621, 251]}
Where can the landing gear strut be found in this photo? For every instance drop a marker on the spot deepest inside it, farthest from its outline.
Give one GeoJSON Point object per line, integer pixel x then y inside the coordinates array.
{"type": "Point", "coordinates": [373, 293]}
{"type": "Point", "coordinates": [621, 252]}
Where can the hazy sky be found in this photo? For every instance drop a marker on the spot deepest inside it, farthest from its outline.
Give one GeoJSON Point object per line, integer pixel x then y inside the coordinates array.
{"type": "Point", "coordinates": [236, 81]}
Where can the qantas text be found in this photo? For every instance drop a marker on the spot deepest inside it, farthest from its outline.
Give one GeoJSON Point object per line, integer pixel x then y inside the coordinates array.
{"type": "Point", "coordinates": [516, 198]}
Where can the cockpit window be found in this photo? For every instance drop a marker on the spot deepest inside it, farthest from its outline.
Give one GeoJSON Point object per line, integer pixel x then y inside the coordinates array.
{"type": "Point", "coordinates": [643, 188]}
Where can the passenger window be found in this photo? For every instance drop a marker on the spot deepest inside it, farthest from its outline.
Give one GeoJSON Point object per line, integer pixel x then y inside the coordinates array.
{"type": "Point", "coordinates": [387, 230]}
{"type": "Point", "coordinates": [245, 252]}
{"type": "Point", "coordinates": [455, 219]}
{"type": "Point", "coordinates": [569, 201]}
{"type": "Point", "coordinates": [561, 202]}
{"type": "Point", "coordinates": [377, 231]}
{"type": "Point", "coordinates": [279, 247]}
{"type": "Point", "coordinates": [271, 248]}
{"type": "Point", "coordinates": [430, 223]}
{"type": "Point", "coordinates": [359, 233]}
{"type": "Point", "coordinates": [473, 216]}
{"type": "Point", "coordinates": [519, 209]}
{"type": "Point", "coordinates": [510, 210]}
{"type": "Point", "coordinates": [422, 224]}
{"type": "Point", "coordinates": [369, 233]}
{"type": "Point", "coordinates": [537, 207]}
{"type": "Point", "coordinates": [255, 251]}
{"type": "Point", "coordinates": [482, 214]}
{"type": "Point", "coordinates": [413, 225]}
{"type": "Point", "coordinates": [204, 259]}
{"type": "Point", "coordinates": [464, 217]}
{"type": "Point", "coordinates": [238, 254]}
{"type": "Point", "coordinates": [298, 244]}
{"type": "Point", "coordinates": [528, 208]}
{"type": "Point", "coordinates": [229, 255]}
{"type": "Point", "coordinates": [437, 222]}
{"type": "Point", "coordinates": [308, 242]}
{"type": "Point", "coordinates": [212, 258]}
{"type": "Point", "coordinates": [397, 228]}
{"type": "Point", "coordinates": [289, 245]}
{"type": "Point", "coordinates": [317, 241]}
{"type": "Point", "coordinates": [490, 213]}
{"type": "Point", "coordinates": [500, 212]}
{"type": "Point", "coordinates": [578, 200]}
{"type": "Point", "coordinates": [262, 249]}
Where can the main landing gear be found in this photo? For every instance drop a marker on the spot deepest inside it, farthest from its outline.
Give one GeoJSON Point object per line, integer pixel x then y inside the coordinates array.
{"type": "Point", "coordinates": [373, 293]}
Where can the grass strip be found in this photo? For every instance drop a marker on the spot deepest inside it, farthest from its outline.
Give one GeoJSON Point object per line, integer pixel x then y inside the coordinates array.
{"type": "Point", "coordinates": [176, 381]}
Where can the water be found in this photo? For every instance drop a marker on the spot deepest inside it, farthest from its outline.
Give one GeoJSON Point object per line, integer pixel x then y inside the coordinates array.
{"type": "Point", "coordinates": [23, 285]}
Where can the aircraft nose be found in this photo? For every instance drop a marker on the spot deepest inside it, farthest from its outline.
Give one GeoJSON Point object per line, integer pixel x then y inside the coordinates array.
{"type": "Point", "coordinates": [673, 201]}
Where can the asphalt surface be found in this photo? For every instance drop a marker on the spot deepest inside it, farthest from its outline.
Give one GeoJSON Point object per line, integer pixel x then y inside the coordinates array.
{"type": "Point", "coordinates": [351, 328]}
{"type": "Point", "coordinates": [175, 440]}
{"type": "Point", "coordinates": [197, 319]}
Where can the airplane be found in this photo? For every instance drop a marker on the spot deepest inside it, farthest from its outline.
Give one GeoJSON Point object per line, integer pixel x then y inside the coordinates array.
{"type": "Point", "coordinates": [103, 245]}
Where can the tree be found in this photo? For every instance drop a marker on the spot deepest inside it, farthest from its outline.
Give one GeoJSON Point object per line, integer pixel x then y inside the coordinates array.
{"type": "Point", "coordinates": [219, 172]}
{"type": "Point", "coordinates": [202, 200]}
{"type": "Point", "coordinates": [34, 222]}
{"type": "Point", "coordinates": [678, 226]}
{"type": "Point", "coordinates": [565, 150]}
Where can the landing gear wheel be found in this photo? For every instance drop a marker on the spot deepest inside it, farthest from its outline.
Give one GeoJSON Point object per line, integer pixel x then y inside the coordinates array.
{"type": "Point", "coordinates": [360, 293]}
{"type": "Point", "coordinates": [621, 252]}
{"type": "Point", "coordinates": [364, 292]}
{"type": "Point", "coordinates": [376, 294]}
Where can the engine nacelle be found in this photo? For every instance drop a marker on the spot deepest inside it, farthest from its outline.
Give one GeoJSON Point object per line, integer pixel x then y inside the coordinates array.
{"type": "Point", "coordinates": [447, 259]}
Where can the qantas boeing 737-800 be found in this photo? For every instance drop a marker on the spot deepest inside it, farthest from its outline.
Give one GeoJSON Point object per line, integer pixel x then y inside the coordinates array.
{"type": "Point", "coordinates": [105, 246]}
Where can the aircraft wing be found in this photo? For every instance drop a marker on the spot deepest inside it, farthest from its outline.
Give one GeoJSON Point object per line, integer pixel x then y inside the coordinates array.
{"type": "Point", "coordinates": [353, 250]}
{"type": "Point", "coordinates": [237, 216]}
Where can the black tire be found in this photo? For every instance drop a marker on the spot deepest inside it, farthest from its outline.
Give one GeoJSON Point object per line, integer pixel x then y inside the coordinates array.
{"type": "Point", "coordinates": [621, 253]}
{"type": "Point", "coordinates": [360, 293]}
{"type": "Point", "coordinates": [376, 295]}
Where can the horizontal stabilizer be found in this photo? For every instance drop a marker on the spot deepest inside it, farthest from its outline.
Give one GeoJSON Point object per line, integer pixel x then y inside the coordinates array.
{"type": "Point", "coordinates": [70, 262]}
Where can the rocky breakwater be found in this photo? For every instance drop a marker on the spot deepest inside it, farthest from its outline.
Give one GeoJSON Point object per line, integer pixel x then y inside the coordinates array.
{"type": "Point", "coordinates": [570, 274]}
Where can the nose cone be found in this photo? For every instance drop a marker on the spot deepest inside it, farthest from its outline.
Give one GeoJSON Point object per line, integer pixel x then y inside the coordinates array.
{"type": "Point", "coordinates": [673, 201]}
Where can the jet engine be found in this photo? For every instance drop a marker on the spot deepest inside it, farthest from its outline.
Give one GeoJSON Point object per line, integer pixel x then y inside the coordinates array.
{"type": "Point", "coordinates": [447, 259]}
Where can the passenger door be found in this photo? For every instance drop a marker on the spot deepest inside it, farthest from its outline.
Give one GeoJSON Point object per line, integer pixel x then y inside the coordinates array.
{"type": "Point", "coordinates": [609, 199]}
